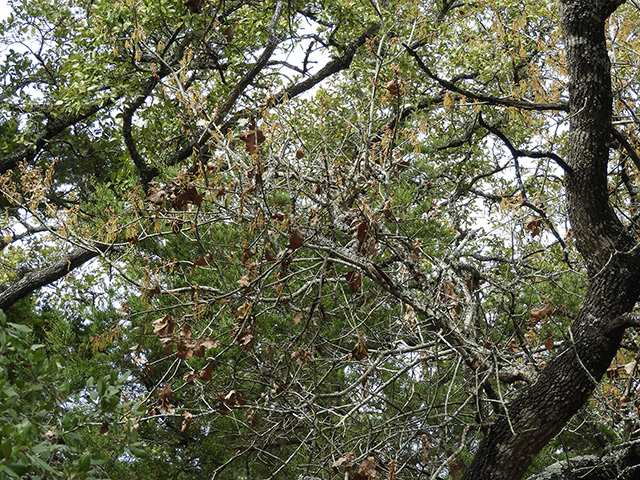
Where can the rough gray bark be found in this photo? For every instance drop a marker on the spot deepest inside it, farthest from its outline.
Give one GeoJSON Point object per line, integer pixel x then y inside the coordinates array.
{"type": "Point", "coordinates": [610, 252]}
{"type": "Point", "coordinates": [34, 280]}
{"type": "Point", "coordinates": [621, 462]}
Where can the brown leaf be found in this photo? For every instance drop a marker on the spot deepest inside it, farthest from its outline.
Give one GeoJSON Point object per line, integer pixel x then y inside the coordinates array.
{"type": "Point", "coordinates": [252, 139]}
{"type": "Point", "coordinates": [416, 249]}
{"type": "Point", "coordinates": [367, 470]}
{"type": "Point", "coordinates": [268, 256]}
{"type": "Point", "coordinates": [299, 154]}
{"type": "Point", "coordinates": [548, 343]}
{"type": "Point", "coordinates": [354, 278]}
{"type": "Point", "coordinates": [228, 33]}
{"type": "Point", "coordinates": [343, 463]}
{"type": "Point", "coordinates": [245, 281]}
{"type": "Point", "coordinates": [104, 428]}
{"type": "Point", "coordinates": [190, 376]}
{"type": "Point", "coordinates": [295, 239]}
{"type": "Point", "coordinates": [534, 225]}
{"type": "Point", "coordinates": [165, 392]}
{"type": "Point", "coordinates": [153, 291]}
{"type": "Point", "coordinates": [538, 314]}
{"type": "Point", "coordinates": [360, 350]}
{"type": "Point", "coordinates": [187, 196]}
{"type": "Point", "coordinates": [386, 211]}
{"type": "Point", "coordinates": [205, 374]}
{"type": "Point", "coordinates": [243, 311]}
{"type": "Point", "coordinates": [246, 255]}
{"type": "Point", "coordinates": [297, 318]}
{"type": "Point", "coordinates": [158, 197]}
{"type": "Point", "coordinates": [361, 228]}
{"type": "Point", "coordinates": [246, 340]}
{"type": "Point", "coordinates": [203, 261]}
{"type": "Point", "coordinates": [456, 467]}
{"type": "Point", "coordinates": [252, 417]}
{"type": "Point", "coordinates": [393, 86]}
{"type": "Point", "coordinates": [204, 343]}
{"type": "Point", "coordinates": [514, 347]}
{"type": "Point", "coordinates": [186, 423]}
{"type": "Point", "coordinates": [302, 356]}
{"type": "Point", "coordinates": [163, 326]}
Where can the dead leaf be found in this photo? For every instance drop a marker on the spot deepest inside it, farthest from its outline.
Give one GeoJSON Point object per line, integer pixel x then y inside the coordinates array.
{"type": "Point", "coordinates": [164, 394]}
{"type": "Point", "coordinates": [367, 470]}
{"type": "Point", "coordinates": [104, 428]}
{"type": "Point", "coordinates": [295, 239]}
{"type": "Point", "coordinates": [252, 417]}
{"type": "Point", "coordinates": [190, 376]}
{"type": "Point", "coordinates": [228, 33]}
{"type": "Point", "coordinates": [186, 423]}
{"type": "Point", "coordinates": [297, 318]}
{"type": "Point", "coordinates": [360, 350]}
{"type": "Point", "coordinates": [205, 374]}
{"type": "Point", "coordinates": [163, 326]}
{"type": "Point", "coordinates": [246, 255]}
{"type": "Point", "coordinates": [344, 463]}
{"type": "Point", "coordinates": [204, 343]}
{"type": "Point", "coordinates": [456, 467]}
{"type": "Point", "coordinates": [548, 343]}
{"type": "Point", "coordinates": [354, 279]}
{"type": "Point", "coordinates": [538, 314]}
{"type": "Point", "coordinates": [393, 86]}
{"type": "Point", "coordinates": [243, 311]}
{"type": "Point", "coordinates": [514, 347]}
{"type": "Point", "coordinates": [158, 197]}
{"type": "Point", "coordinates": [534, 224]}
{"type": "Point", "coordinates": [252, 139]}
{"type": "Point", "coordinates": [302, 356]}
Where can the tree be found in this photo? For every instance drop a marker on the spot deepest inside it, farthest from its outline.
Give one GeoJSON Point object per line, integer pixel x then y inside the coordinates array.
{"type": "Point", "coordinates": [326, 238]}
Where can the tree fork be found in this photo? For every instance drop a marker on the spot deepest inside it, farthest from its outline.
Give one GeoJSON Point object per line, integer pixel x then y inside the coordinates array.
{"type": "Point", "coordinates": [613, 265]}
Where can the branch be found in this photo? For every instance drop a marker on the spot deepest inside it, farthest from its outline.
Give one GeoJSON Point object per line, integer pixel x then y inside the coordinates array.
{"type": "Point", "coordinates": [269, 48]}
{"type": "Point", "coordinates": [53, 128]}
{"type": "Point", "coordinates": [146, 173]}
{"type": "Point", "coordinates": [334, 66]}
{"type": "Point", "coordinates": [34, 280]}
{"type": "Point", "coordinates": [484, 98]}
{"type": "Point", "coordinates": [620, 137]}
{"type": "Point", "coordinates": [516, 152]}
{"type": "Point", "coordinates": [619, 462]}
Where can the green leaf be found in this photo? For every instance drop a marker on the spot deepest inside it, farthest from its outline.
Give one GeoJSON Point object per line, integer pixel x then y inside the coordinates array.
{"type": "Point", "coordinates": [137, 450]}
{"type": "Point", "coordinates": [84, 462]}
{"type": "Point", "coordinates": [7, 448]}
{"type": "Point", "coordinates": [20, 328]}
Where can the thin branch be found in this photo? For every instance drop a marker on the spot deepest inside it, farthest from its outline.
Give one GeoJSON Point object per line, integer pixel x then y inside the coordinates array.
{"type": "Point", "coordinates": [485, 98]}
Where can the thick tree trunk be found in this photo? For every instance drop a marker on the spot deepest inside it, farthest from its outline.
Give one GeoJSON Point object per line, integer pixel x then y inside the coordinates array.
{"type": "Point", "coordinates": [566, 383]}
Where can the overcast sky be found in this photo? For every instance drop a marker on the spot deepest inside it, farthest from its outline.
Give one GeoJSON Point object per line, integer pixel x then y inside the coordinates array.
{"type": "Point", "coordinates": [4, 9]}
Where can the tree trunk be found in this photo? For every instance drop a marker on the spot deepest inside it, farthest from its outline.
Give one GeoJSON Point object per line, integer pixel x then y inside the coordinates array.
{"type": "Point", "coordinates": [568, 380]}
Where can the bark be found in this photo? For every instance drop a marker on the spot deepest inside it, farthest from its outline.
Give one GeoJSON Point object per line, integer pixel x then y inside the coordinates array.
{"type": "Point", "coordinates": [34, 280]}
{"type": "Point", "coordinates": [613, 266]}
{"type": "Point", "coordinates": [621, 462]}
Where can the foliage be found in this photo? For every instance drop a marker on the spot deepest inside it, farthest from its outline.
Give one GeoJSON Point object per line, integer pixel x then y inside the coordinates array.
{"type": "Point", "coordinates": [330, 236]}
